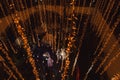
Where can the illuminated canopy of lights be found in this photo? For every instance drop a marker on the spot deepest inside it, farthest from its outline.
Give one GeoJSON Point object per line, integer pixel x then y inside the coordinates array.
{"type": "Point", "coordinates": [44, 39]}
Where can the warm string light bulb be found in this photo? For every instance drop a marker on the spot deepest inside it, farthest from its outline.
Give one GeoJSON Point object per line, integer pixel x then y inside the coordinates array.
{"type": "Point", "coordinates": [10, 61]}
{"type": "Point", "coordinates": [26, 46]}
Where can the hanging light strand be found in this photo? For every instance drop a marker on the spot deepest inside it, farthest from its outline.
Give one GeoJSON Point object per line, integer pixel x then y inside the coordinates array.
{"type": "Point", "coordinates": [71, 40]}
{"type": "Point", "coordinates": [107, 12]}
{"type": "Point", "coordinates": [95, 16]}
{"type": "Point", "coordinates": [107, 17]}
{"type": "Point", "coordinates": [7, 69]}
{"type": "Point", "coordinates": [107, 55]}
{"type": "Point", "coordinates": [116, 76]}
{"type": "Point", "coordinates": [10, 61]}
{"type": "Point", "coordinates": [81, 40]}
{"type": "Point", "coordinates": [111, 61]}
{"type": "Point", "coordinates": [106, 30]}
{"type": "Point", "coordinates": [108, 37]}
{"type": "Point", "coordinates": [26, 46]}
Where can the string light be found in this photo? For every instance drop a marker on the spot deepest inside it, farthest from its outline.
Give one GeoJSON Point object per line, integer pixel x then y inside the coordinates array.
{"type": "Point", "coordinates": [107, 17]}
{"type": "Point", "coordinates": [10, 61]}
{"type": "Point", "coordinates": [95, 16]}
{"type": "Point", "coordinates": [81, 40]}
{"type": "Point", "coordinates": [108, 37]}
{"type": "Point", "coordinates": [109, 33]}
{"type": "Point", "coordinates": [26, 46]}
{"type": "Point", "coordinates": [7, 69]}
{"type": "Point", "coordinates": [116, 76]}
{"type": "Point", "coordinates": [109, 8]}
{"type": "Point", "coordinates": [111, 61]}
{"type": "Point", "coordinates": [71, 41]}
{"type": "Point", "coordinates": [13, 49]}
{"type": "Point", "coordinates": [107, 55]}
{"type": "Point", "coordinates": [105, 31]}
